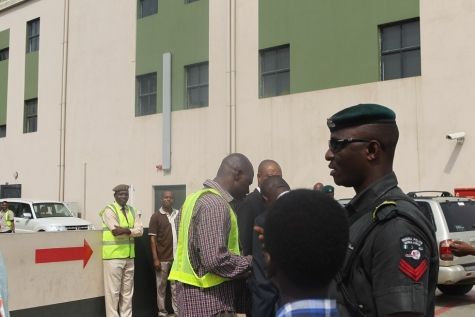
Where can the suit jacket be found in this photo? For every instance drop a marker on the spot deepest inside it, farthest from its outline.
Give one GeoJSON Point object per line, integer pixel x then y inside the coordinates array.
{"type": "Point", "coordinates": [264, 294]}
{"type": "Point", "coordinates": [247, 212]}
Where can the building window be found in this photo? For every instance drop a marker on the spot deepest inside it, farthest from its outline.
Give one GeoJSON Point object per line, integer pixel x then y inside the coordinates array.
{"type": "Point", "coordinates": [10, 191]}
{"type": "Point", "coordinates": [3, 131]}
{"type": "Point", "coordinates": [30, 122]}
{"type": "Point", "coordinates": [197, 85]}
{"type": "Point", "coordinates": [190, 1]}
{"type": "Point", "coordinates": [275, 71]}
{"type": "Point", "coordinates": [400, 50]}
{"type": "Point", "coordinates": [146, 94]}
{"type": "Point", "coordinates": [33, 36]}
{"type": "Point", "coordinates": [4, 54]}
{"type": "Point", "coordinates": [146, 8]}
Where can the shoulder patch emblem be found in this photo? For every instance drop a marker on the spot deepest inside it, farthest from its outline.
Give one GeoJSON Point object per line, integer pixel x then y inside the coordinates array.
{"type": "Point", "coordinates": [413, 262]}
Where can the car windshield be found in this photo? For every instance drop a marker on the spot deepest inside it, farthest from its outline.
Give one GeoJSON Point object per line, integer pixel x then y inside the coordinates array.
{"type": "Point", "coordinates": [47, 210]}
{"type": "Point", "coordinates": [460, 215]}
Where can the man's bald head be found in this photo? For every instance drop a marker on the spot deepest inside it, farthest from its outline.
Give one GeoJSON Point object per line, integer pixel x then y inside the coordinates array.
{"type": "Point", "coordinates": [318, 187]}
{"type": "Point", "coordinates": [273, 187]}
{"type": "Point", "coordinates": [235, 175]}
{"type": "Point", "coordinates": [267, 168]}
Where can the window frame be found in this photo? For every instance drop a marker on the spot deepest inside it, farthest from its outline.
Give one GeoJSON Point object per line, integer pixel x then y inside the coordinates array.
{"type": "Point", "coordinates": [399, 51]}
{"type": "Point", "coordinates": [140, 9]}
{"type": "Point", "coordinates": [27, 126]}
{"type": "Point", "coordinates": [3, 130]}
{"type": "Point", "coordinates": [32, 38]}
{"type": "Point", "coordinates": [200, 85]}
{"type": "Point", "coordinates": [4, 54]}
{"type": "Point", "coordinates": [276, 71]}
{"type": "Point", "coordinates": [139, 108]}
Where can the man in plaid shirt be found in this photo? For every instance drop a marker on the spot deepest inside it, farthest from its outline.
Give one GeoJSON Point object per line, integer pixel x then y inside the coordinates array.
{"type": "Point", "coordinates": [208, 265]}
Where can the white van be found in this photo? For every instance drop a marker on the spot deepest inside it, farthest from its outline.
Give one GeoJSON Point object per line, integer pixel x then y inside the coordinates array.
{"type": "Point", "coordinates": [44, 215]}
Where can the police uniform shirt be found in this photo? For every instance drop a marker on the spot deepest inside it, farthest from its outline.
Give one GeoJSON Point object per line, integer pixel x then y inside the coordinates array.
{"type": "Point", "coordinates": [391, 274]}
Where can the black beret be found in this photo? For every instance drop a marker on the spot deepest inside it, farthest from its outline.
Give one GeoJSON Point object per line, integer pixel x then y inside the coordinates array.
{"type": "Point", "coordinates": [120, 187]}
{"type": "Point", "coordinates": [359, 115]}
{"type": "Point", "coordinates": [328, 189]}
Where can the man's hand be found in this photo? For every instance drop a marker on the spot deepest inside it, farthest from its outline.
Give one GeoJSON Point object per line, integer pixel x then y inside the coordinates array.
{"type": "Point", "coordinates": [157, 265]}
{"type": "Point", "coordinates": [260, 231]}
{"type": "Point", "coordinates": [120, 231]}
{"type": "Point", "coordinates": [460, 248]}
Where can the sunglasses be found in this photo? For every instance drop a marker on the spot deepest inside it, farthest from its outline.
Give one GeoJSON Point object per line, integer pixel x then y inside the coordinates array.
{"type": "Point", "coordinates": [336, 145]}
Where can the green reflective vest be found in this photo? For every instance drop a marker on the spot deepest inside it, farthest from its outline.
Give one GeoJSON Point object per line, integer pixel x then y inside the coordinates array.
{"type": "Point", "coordinates": [118, 247]}
{"type": "Point", "coordinates": [7, 219]}
{"type": "Point", "coordinates": [182, 270]}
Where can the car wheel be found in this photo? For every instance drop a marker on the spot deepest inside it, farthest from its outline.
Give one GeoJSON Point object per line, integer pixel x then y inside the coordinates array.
{"type": "Point", "coordinates": [455, 289]}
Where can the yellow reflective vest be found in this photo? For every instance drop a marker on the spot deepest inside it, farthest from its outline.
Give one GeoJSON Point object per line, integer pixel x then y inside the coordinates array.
{"type": "Point", "coordinates": [123, 246]}
{"type": "Point", "coordinates": [182, 270]}
{"type": "Point", "coordinates": [7, 220]}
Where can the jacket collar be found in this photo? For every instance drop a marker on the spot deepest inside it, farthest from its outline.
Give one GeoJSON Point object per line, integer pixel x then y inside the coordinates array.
{"type": "Point", "coordinates": [212, 184]}
{"type": "Point", "coordinates": [365, 200]}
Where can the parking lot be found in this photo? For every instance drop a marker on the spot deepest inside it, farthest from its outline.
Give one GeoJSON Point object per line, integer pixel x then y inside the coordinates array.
{"type": "Point", "coordinates": [455, 306]}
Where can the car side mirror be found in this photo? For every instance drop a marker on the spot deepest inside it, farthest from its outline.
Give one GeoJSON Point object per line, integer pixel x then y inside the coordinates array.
{"type": "Point", "coordinates": [27, 215]}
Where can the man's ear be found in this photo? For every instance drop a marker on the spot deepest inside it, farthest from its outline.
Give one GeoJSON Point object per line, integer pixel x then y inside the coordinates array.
{"type": "Point", "coordinates": [373, 150]}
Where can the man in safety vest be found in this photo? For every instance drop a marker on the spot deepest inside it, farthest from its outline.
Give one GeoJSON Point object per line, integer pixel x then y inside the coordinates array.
{"type": "Point", "coordinates": [7, 221]}
{"type": "Point", "coordinates": [120, 224]}
{"type": "Point", "coordinates": [208, 262]}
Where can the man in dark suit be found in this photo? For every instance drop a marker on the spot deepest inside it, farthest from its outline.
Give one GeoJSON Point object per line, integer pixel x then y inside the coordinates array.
{"type": "Point", "coordinates": [252, 207]}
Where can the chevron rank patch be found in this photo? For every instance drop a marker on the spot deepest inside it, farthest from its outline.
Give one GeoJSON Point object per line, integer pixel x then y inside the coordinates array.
{"type": "Point", "coordinates": [413, 262]}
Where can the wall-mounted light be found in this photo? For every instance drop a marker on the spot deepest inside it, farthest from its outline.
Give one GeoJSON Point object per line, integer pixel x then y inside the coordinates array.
{"type": "Point", "coordinates": [459, 136]}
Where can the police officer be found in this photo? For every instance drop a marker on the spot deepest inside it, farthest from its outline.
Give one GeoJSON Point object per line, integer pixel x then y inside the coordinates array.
{"type": "Point", "coordinates": [391, 264]}
{"type": "Point", "coordinates": [120, 224]}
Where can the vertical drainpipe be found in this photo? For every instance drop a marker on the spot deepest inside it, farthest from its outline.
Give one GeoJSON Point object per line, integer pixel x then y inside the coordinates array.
{"type": "Point", "coordinates": [167, 109]}
{"type": "Point", "coordinates": [232, 76]}
{"type": "Point", "coordinates": [64, 87]}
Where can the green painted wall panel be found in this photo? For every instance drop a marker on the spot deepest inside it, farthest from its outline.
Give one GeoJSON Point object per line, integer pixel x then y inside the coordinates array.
{"type": "Point", "coordinates": [178, 28]}
{"type": "Point", "coordinates": [4, 39]}
{"type": "Point", "coordinates": [31, 75]}
{"type": "Point", "coordinates": [4, 43]}
{"type": "Point", "coordinates": [332, 43]}
{"type": "Point", "coordinates": [3, 91]}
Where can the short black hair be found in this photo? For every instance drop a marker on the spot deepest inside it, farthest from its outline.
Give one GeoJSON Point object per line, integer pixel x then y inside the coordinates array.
{"type": "Point", "coordinates": [306, 234]}
{"type": "Point", "coordinates": [273, 183]}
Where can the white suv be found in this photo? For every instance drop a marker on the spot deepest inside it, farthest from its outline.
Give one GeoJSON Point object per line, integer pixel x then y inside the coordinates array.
{"type": "Point", "coordinates": [454, 219]}
{"type": "Point", "coordinates": [42, 215]}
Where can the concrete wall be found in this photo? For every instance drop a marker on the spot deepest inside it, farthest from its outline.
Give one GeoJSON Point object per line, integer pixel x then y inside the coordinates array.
{"type": "Point", "coordinates": [32, 284]}
{"type": "Point", "coordinates": [69, 288]}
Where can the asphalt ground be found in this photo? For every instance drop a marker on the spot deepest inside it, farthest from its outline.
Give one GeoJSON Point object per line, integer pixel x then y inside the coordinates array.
{"type": "Point", "coordinates": [455, 306]}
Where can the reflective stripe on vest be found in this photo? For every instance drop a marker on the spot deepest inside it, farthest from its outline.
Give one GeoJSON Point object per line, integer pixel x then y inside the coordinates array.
{"type": "Point", "coordinates": [182, 270]}
{"type": "Point", "coordinates": [123, 246]}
